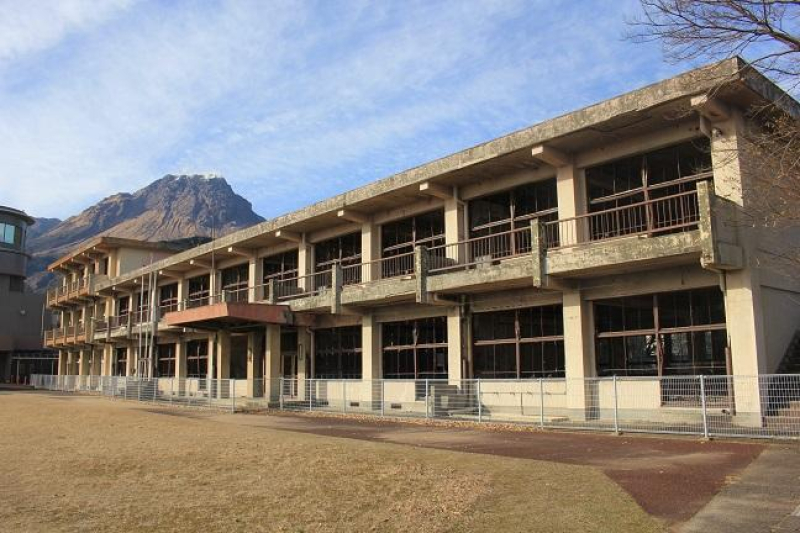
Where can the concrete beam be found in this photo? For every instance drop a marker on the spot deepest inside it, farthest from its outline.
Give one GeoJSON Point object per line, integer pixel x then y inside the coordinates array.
{"type": "Point", "coordinates": [244, 252]}
{"type": "Point", "coordinates": [551, 156]}
{"type": "Point", "coordinates": [292, 236]}
{"type": "Point", "coordinates": [711, 108]}
{"type": "Point", "coordinates": [200, 263]}
{"type": "Point", "coordinates": [435, 190]}
{"type": "Point", "coordinates": [172, 274]}
{"type": "Point", "coordinates": [352, 216]}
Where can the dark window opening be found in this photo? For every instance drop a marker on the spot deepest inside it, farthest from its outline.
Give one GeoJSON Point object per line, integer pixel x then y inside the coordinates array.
{"type": "Point", "coordinates": [235, 281]}
{"type": "Point", "coordinates": [508, 211]}
{"type": "Point", "coordinates": [197, 358]}
{"type": "Point", "coordinates": [664, 334]}
{"type": "Point", "coordinates": [519, 343]}
{"type": "Point", "coordinates": [399, 238]}
{"type": "Point", "coordinates": [168, 298]}
{"type": "Point", "coordinates": [238, 357]}
{"type": "Point", "coordinates": [415, 349]}
{"type": "Point", "coordinates": [649, 183]}
{"type": "Point", "coordinates": [280, 266]}
{"type": "Point", "coordinates": [121, 361]}
{"type": "Point", "coordinates": [345, 249]}
{"type": "Point", "coordinates": [165, 355]}
{"type": "Point", "coordinates": [199, 291]}
{"type": "Point", "coordinates": [337, 353]}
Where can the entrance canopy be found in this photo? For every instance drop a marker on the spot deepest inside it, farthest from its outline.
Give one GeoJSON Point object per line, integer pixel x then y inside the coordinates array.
{"type": "Point", "coordinates": [225, 315]}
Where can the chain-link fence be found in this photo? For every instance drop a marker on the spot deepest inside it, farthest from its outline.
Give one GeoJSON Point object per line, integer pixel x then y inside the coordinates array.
{"type": "Point", "coordinates": [766, 406]}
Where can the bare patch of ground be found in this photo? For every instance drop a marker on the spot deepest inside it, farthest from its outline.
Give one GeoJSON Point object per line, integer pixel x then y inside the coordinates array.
{"type": "Point", "coordinates": [671, 478]}
{"type": "Point", "coordinates": [89, 464]}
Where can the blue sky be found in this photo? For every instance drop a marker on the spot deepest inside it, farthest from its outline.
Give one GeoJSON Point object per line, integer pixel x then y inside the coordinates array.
{"type": "Point", "coordinates": [290, 101]}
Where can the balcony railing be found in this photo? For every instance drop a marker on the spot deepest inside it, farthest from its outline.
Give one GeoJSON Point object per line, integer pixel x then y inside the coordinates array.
{"type": "Point", "coordinates": [670, 214]}
{"type": "Point", "coordinates": [479, 251]}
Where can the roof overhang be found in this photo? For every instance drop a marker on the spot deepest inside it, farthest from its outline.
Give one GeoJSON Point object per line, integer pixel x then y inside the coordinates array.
{"type": "Point", "coordinates": [226, 315]}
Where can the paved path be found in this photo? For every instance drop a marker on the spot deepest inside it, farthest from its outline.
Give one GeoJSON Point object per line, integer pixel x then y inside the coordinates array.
{"type": "Point", "coordinates": [671, 478]}
{"type": "Point", "coordinates": [765, 499]}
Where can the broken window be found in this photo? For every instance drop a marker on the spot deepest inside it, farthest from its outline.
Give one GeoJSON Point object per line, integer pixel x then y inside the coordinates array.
{"type": "Point", "coordinates": [165, 355]}
{"type": "Point", "coordinates": [337, 353]}
{"type": "Point", "coordinates": [519, 343]}
{"type": "Point", "coordinates": [345, 249]}
{"type": "Point", "coordinates": [197, 358]}
{"type": "Point", "coordinates": [280, 266]}
{"type": "Point", "coordinates": [513, 209]}
{"type": "Point", "coordinates": [399, 238]}
{"type": "Point", "coordinates": [235, 281]}
{"type": "Point", "coordinates": [634, 182]}
{"type": "Point", "coordinates": [415, 349]}
{"type": "Point", "coordinates": [664, 334]}
{"type": "Point", "coordinates": [199, 291]}
{"type": "Point", "coordinates": [499, 214]}
{"type": "Point", "coordinates": [168, 298]}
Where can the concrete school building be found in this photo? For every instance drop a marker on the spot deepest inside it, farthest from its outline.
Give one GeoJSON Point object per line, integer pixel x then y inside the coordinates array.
{"type": "Point", "coordinates": [606, 242]}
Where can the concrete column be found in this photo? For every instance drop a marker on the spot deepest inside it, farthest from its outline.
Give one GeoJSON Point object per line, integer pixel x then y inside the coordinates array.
{"type": "Point", "coordinates": [212, 357]}
{"type": "Point", "coordinates": [572, 202]}
{"type": "Point", "coordinates": [63, 357]}
{"type": "Point", "coordinates": [370, 251]}
{"type": "Point", "coordinates": [371, 355]}
{"type": "Point", "coordinates": [256, 275]}
{"type": "Point", "coordinates": [180, 359]}
{"type": "Point", "coordinates": [97, 357]}
{"type": "Point", "coordinates": [305, 261]}
{"type": "Point", "coordinates": [272, 366]}
{"type": "Point", "coordinates": [108, 360]}
{"type": "Point", "coordinates": [183, 290]}
{"type": "Point", "coordinates": [454, 227]}
{"type": "Point", "coordinates": [454, 346]}
{"type": "Point", "coordinates": [254, 364]}
{"type": "Point", "coordinates": [84, 362]}
{"type": "Point", "coordinates": [223, 366]}
{"type": "Point", "coordinates": [130, 366]}
{"type": "Point", "coordinates": [303, 362]}
{"type": "Point", "coordinates": [743, 306]}
{"type": "Point", "coordinates": [579, 358]}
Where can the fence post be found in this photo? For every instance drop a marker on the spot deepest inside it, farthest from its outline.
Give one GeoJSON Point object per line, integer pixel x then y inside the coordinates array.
{"type": "Point", "coordinates": [171, 389]}
{"type": "Point", "coordinates": [427, 398]}
{"type": "Point", "coordinates": [703, 404]}
{"type": "Point", "coordinates": [616, 407]}
{"type": "Point", "coordinates": [310, 400]}
{"type": "Point", "coordinates": [383, 397]}
{"type": "Point", "coordinates": [280, 393]}
{"type": "Point", "coordinates": [344, 396]}
{"type": "Point", "coordinates": [232, 392]}
{"type": "Point", "coordinates": [480, 404]}
{"type": "Point", "coordinates": [541, 403]}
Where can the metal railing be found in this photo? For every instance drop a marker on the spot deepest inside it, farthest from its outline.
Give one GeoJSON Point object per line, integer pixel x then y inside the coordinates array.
{"type": "Point", "coordinates": [678, 212]}
{"type": "Point", "coordinates": [480, 250]}
{"type": "Point", "coordinates": [766, 406]}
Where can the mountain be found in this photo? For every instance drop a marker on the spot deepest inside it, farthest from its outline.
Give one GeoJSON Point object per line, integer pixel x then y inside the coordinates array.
{"type": "Point", "coordinates": [171, 208]}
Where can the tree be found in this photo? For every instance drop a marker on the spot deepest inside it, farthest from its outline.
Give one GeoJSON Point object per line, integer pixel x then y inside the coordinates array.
{"type": "Point", "coordinates": [767, 34]}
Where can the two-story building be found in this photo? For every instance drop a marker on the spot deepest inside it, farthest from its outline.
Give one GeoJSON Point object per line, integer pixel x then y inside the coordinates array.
{"type": "Point", "coordinates": [610, 241]}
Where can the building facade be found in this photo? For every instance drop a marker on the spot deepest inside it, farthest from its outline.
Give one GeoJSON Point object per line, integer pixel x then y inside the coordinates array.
{"type": "Point", "coordinates": [606, 242]}
{"type": "Point", "coordinates": [22, 316]}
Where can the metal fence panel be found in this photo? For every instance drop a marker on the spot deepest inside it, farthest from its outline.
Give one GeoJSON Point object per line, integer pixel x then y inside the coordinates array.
{"type": "Point", "coordinates": [766, 406]}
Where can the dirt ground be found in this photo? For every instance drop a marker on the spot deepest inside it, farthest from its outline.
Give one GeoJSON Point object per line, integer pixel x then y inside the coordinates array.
{"type": "Point", "coordinates": [78, 463]}
{"type": "Point", "coordinates": [672, 478]}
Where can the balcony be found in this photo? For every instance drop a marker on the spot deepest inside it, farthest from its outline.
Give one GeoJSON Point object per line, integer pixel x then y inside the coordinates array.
{"type": "Point", "coordinates": [70, 292]}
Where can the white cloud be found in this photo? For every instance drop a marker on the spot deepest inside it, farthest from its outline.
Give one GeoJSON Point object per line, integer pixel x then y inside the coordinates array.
{"type": "Point", "coordinates": [28, 27]}
{"type": "Point", "coordinates": [291, 101]}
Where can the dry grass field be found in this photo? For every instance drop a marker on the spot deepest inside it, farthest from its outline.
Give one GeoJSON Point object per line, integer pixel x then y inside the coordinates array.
{"type": "Point", "coordinates": [75, 463]}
